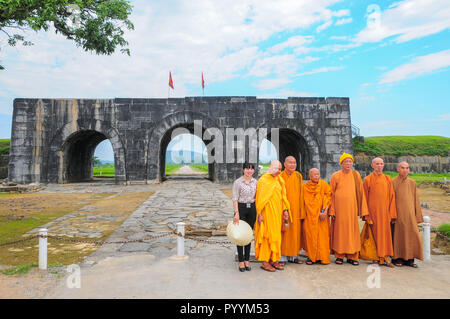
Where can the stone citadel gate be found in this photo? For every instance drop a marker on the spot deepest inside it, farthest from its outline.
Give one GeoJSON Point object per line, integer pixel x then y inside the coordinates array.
{"type": "Point", "coordinates": [53, 140]}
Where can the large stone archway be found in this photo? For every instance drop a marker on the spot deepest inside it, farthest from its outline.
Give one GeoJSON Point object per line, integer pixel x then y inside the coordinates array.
{"type": "Point", "coordinates": [70, 155]}
{"type": "Point", "coordinates": [170, 126]}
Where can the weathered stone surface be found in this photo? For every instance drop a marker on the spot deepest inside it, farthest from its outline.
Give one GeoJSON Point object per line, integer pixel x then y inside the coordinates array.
{"type": "Point", "coordinates": [53, 140]}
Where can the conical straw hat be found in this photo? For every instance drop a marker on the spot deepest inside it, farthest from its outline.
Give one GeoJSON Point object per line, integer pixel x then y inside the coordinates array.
{"type": "Point", "coordinates": [240, 234]}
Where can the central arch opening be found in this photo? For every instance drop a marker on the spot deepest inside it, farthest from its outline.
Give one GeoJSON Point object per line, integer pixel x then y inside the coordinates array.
{"type": "Point", "coordinates": [184, 154]}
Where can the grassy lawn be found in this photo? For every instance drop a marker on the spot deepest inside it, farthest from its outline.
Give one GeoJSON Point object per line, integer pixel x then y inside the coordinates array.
{"type": "Point", "coordinates": [172, 168]}
{"type": "Point", "coordinates": [21, 213]}
{"type": "Point", "coordinates": [106, 171]}
{"type": "Point", "coordinates": [403, 145]}
{"type": "Point", "coordinates": [199, 167]}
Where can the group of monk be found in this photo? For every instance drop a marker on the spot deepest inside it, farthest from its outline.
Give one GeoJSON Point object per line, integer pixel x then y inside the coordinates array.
{"type": "Point", "coordinates": [322, 218]}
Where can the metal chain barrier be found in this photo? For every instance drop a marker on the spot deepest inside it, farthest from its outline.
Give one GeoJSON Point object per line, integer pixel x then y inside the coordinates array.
{"type": "Point", "coordinates": [65, 239]}
{"type": "Point", "coordinates": [19, 241]}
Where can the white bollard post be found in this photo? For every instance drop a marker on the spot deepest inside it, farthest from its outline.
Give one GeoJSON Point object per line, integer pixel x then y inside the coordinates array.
{"type": "Point", "coordinates": [180, 240]}
{"type": "Point", "coordinates": [43, 249]}
{"type": "Point", "coordinates": [426, 241]}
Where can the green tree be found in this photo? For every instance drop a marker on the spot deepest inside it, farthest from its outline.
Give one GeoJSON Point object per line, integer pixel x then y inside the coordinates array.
{"type": "Point", "coordinates": [94, 25]}
{"type": "Point", "coordinates": [97, 161]}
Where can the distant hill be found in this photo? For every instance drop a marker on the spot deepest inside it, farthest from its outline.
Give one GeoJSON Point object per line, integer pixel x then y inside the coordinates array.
{"type": "Point", "coordinates": [403, 145]}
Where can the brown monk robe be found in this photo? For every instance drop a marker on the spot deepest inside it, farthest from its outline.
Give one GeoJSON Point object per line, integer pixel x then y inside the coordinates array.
{"type": "Point", "coordinates": [272, 209]}
{"type": "Point", "coordinates": [347, 203]}
{"type": "Point", "coordinates": [290, 238]}
{"type": "Point", "coordinates": [406, 239]}
{"type": "Point", "coordinates": [380, 198]}
{"type": "Point", "coordinates": [317, 197]}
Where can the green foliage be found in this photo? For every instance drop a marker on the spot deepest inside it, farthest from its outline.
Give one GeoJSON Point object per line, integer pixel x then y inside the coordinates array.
{"type": "Point", "coordinates": [445, 229]}
{"type": "Point", "coordinates": [4, 146]}
{"type": "Point", "coordinates": [19, 270]}
{"type": "Point", "coordinates": [403, 145]}
{"type": "Point", "coordinates": [420, 178]}
{"type": "Point", "coordinates": [94, 25]}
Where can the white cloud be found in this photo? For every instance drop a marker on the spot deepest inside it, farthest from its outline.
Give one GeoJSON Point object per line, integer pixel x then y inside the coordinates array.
{"type": "Point", "coordinates": [269, 84]}
{"type": "Point", "coordinates": [324, 26]}
{"type": "Point", "coordinates": [419, 66]}
{"type": "Point", "coordinates": [343, 21]}
{"type": "Point", "coordinates": [322, 69]}
{"type": "Point", "coordinates": [296, 42]}
{"type": "Point", "coordinates": [407, 20]}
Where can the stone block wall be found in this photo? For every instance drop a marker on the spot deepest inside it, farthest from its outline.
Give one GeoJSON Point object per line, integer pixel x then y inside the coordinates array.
{"type": "Point", "coordinates": [53, 140]}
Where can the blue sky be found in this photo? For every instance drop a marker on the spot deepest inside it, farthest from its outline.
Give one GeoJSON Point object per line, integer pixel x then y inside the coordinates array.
{"type": "Point", "coordinates": [391, 58]}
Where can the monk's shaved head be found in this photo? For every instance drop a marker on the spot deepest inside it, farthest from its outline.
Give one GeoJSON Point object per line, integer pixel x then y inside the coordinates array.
{"type": "Point", "coordinates": [377, 159]}
{"type": "Point", "coordinates": [402, 164]}
{"type": "Point", "coordinates": [290, 164]}
{"type": "Point", "coordinates": [403, 169]}
{"type": "Point", "coordinates": [377, 165]}
{"type": "Point", "coordinates": [314, 175]}
{"type": "Point", "coordinates": [275, 168]}
{"type": "Point", "coordinates": [289, 158]}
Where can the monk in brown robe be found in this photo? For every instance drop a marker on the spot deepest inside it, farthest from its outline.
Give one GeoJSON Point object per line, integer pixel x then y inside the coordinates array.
{"type": "Point", "coordinates": [272, 209]}
{"type": "Point", "coordinates": [317, 197]}
{"type": "Point", "coordinates": [291, 236]}
{"type": "Point", "coordinates": [347, 203]}
{"type": "Point", "coordinates": [406, 239]}
{"type": "Point", "coordinates": [380, 198]}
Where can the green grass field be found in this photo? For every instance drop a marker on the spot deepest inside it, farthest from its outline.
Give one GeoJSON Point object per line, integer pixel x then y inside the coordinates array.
{"type": "Point", "coordinates": [104, 171]}
{"type": "Point", "coordinates": [4, 146]}
{"type": "Point", "coordinates": [200, 167]}
{"type": "Point", "coordinates": [403, 145]}
{"type": "Point", "coordinates": [172, 168]}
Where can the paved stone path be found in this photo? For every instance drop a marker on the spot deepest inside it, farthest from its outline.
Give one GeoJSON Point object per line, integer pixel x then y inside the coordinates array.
{"type": "Point", "coordinates": [196, 202]}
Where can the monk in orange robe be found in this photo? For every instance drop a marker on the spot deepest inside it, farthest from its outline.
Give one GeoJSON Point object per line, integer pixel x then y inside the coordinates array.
{"type": "Point", "coordinates": [347, 203]}
{"type": "Point", "coordinates": [291, 236]}
{"type": "Point", "coordinates": [272, 209]}
{"type": "Point", "coordinates": [406, 238]}
{"type": "Point", "coordinates": [317, 197]}
{"type": "Point", "coordinates": [380, 196]}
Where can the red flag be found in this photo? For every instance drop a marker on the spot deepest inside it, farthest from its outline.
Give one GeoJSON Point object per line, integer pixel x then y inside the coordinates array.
{"type": "Point", "coordinates": [203, 82]}
{"type": "Point", "coordinates": [170, 80]}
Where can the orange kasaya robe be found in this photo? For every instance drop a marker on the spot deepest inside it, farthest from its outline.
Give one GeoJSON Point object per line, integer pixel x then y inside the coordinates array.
{"type": "Point", "coordinates": [270, 202]}
{"type": "Point", "coordinates": [406, 238]}
{"type": "Point", "coordinates": [317, 197]}
{"type": "Point", "coordinates": [291, 238]}
{"type": "Point", "coordinates": [380, 196]}
{"type": "Point", "coordinates": [346, 207]}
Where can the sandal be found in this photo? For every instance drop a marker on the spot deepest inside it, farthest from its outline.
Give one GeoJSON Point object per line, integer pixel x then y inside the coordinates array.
{"type": "Point", "coordinates": [339, 261]}
{"type": "Point", "coordinates": [296, 261]}
{"type": "Point", "coordinates": [309, 262]}
{"type": "Point", "coordinates": [353, 262]}
{"type": "Point", "coordinates": [397, 262]}
{"type": "Point", "coordinates": [277, 266]}
{"type": "Point", "coordinates": [412, 264]}
{"type": "Point", "coordinates": [268, 268]}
